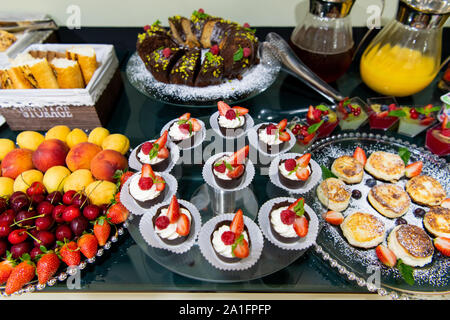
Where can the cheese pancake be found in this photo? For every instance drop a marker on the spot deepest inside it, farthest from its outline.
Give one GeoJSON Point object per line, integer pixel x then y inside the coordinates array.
{"type": "Point", "coordinates": [437, 221]}
{"type": "Point", "coordinates": [385, 166]}
{"type": "Point", "coordinates": [425, 190]}
{"type": "Point", "coordinates": [348, 169]}
{"type": "Point", "coordinates": [411, 244]}
{"type": "Point", "coordinates": [389, 199]}
{"type": "Point", "coordinates": [363, 230]}
{"type": "Point", "coordinates": [333, 194]}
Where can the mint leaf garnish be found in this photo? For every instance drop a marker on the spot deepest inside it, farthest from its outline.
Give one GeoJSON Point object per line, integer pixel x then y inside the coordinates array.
{"type": "Point", "coordinates": [399, 113]}
{"type": "Point", "coordinates": [322, 107]}
{"type": "Point", "coordinates": [405, 154]}
{"type": "Point", "coordinates": [326, 173]}
{"type": "Point", "coordinates": [425, 111]}
{"type": "Point", "coordinates": [239, 54]}
{"type": "Point", "coordinates": [154, 152]}
{"type": "Point", "coordinates": [236, 242]}
{"type": "Point", "coordinates": [406, 271]}
{"type": "Point", "coordinates": [156, 23]}
{"type": "Point", "coordinates": [228, 166]}
{"type": "Point", "coordinates": [314, 127]}
{"type": "Point", "coordinates": [299, 209]}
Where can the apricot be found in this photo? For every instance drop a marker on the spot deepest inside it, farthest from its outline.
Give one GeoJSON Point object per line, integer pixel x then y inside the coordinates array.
{"type": "Point", "coordinates": [50, 153]}
{"type": "Point", "coordinates": [6, 187]}
{"type": "Point", "coordinates": [29, 140]}
{"type": "Point", "coordinates": [97, 135]}
{"type": "Point", "coordinates": [6, 145]}
{"type": "Point", "coordinates": [101, 192]}
{"type": "Point", "coordinates": [75, 137]}
{"type": "Point", "coordinates": [26, 178]}
{"type": "Point", "coordinates": [57, 132]}
{"type": "Point", "coordinates": [55, 177]}
{"type": "Point", "coordinates": [16, 162]}
{"type": "Point", "coordinates": [105, 164]}
{"type": "Point", "coordinates": [81, 155]}
{"type": "Point", "coordinates": [118, 142]}
{"type": "Point", "coordinates": [78, 180]}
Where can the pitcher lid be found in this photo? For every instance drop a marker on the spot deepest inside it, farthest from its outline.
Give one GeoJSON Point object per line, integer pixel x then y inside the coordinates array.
{"type": "Point", "coordinates": [331, 8]}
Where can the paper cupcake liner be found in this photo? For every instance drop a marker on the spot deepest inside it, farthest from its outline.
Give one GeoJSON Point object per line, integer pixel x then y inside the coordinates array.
{"type": "Point", "coordinates": [131, 204]}
{"type": "Point", "coordinates": [208, 175]}
{"type": "Point", "coordinates": [213, 121]}
{"type": "Point", "coordinates": [312, 181]}
{"type": "Point", "coordinates": [207, 250]}
{"type": "Point", "coordinates": [254, 141]}
{"type": "Point", "coordinates": [302, 243]}
{"type": "Point", "coordinates": [199, 137]}
{"type": "Point", "coordinates": [174, 157]}
{"type": "Point", "coordinates": [147, 230]}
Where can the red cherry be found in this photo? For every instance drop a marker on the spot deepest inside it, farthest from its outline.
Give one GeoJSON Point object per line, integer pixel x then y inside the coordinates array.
{"type": "Point", "coordinates": [45, 208]}
{"type": "Point", "coordinates": [80, 200]}
{"type": "Point", "coordinates": [8, 216]}
{"type": "Point", "coordinates": [62, 232]}
{"type": "Point", "coordinates": [91, 212]}
{"type": "Point", "coordinates": [247, 52]}
{"type": "Point", "coordinates": [295, 130]}
{"type": "Point", "coordinates": [24, 218]}
{"type": "Point", "coordinates": [214, 49]}
{"type": "Point", "coordinates": [68, 197]}
{"type": "Point", "coordinates": [3, 247]}
{"type": "Point", "coordinates": [271, 129]}
{"type": "Point", "coordinates": [36, 188]}
{"type": "Point", "coordinates": [35, 252]}
{"type": "Point", "coordinates": [58, 212]}
{"type": "Point", "coordinates": [70, 213]}
{"type": "Point", "coordinates": [20, 249]}
{"type": "Point", "coordinates": [54, 198]}
{"type": "Point", "coordinates": [146, 27]}
{"type": "Point", "coordinates": [45, 238]}
{"type": "Point", "coordinates": [44, 223]}
{"type": "Point", "coordinates": [5, 229]}
{"type": "Point", "coordinates": [17, 236]}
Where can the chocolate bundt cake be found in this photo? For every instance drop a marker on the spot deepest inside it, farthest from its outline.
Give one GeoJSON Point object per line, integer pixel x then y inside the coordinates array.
{"type": "Point", "coordinates": [232, 50]}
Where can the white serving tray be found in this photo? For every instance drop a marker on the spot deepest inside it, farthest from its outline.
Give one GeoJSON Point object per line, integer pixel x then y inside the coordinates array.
{"type": "Point", "coordinates": [107, 65]}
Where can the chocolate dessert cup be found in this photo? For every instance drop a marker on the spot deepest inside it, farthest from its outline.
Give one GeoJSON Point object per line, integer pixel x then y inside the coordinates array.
{"type": "Point", "coordinates": [228, 184]}
{"type": "Point", "coordinates": [149, 203]}
{"type": "Point", "coordinates": [232, 132]}
{"type": "Point", "coordinates": [289, 183]}
{"type": "Point", "coordinates": [180, 239]}
{"type": "Point", "coordinates": [270, 149]}
{"type": "Point", "coordinates": [222, 258]}
{"type": "Point", "coordinates": [160, 166]}
{"type": "Point", "coordinates": [272, 229]}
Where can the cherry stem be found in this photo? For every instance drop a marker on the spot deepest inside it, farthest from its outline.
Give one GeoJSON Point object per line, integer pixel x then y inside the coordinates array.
{"type": "Point", "coordinates": [39, 241]}
{"type": "Point", "coordinates": [34, 217]}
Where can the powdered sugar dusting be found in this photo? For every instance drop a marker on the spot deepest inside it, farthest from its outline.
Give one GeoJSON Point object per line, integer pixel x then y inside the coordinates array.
{"type": "Point", "coordinates": [433, 277]}
{"type": "Point", "coordinates": [254, 81]}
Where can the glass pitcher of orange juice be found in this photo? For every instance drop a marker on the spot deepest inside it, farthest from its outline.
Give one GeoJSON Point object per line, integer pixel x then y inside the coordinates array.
{"type": "Point", "coordinates": [405, 56]}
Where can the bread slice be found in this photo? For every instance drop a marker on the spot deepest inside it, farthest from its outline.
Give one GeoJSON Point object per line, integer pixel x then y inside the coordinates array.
{"type": "Point", "coordinates": [86, 58]}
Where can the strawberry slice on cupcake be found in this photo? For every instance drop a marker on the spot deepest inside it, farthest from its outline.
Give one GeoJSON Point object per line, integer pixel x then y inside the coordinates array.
{"type": "Point", "coordinates": [293, 173]}
{"type": "Point", "coordinates": [147, 187]}
{"type": "Point", "coordinates": [273, 137]}
{"type": "Point", "coordinates": [229, 170]}
{"type": "Point", "coordinates": [155, 153]}
{"type": "Point", "coordinates": [184, 130]}
{"type": "Point", "coordinates": [231, 120]}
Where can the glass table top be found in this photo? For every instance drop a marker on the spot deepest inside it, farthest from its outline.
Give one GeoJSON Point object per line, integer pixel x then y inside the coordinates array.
{"type": "Point", "coordinates": [126, 267]}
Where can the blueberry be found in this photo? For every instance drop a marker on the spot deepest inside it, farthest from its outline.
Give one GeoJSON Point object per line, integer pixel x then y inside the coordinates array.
{"type": "Point", "coordinates": [384, 107]}
{"type": "Point", "coordinates": [400, 221]}
{"type": "Point", "coordinates": [422, 116]}
{"type": "Point", "coordinates": [325, 118]}
{"type": "Point", "coordinates": [371, 182]}
{"type": "Point", "coordinates": [356, 194]}
{"type": "Point", "coordinates": [419, 212]}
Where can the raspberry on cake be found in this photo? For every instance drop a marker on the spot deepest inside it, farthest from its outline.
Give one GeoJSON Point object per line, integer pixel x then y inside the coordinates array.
{"type": "Point", "coordinates": [229, 170]}
{"type": "Point", "coordinates": [293, 173]}
{"type": "Point", "coordinates": [231, 120]}
{"type": "Point", "coordinates": [230, 239]}
{"type": "Point", "coordinates": [147, 188]}
{"type": "Point", "coordinates": [184, 130]}
{"type": "Point", "coordinates": [155, 153]}
{"type": "Point", "coordinates": [273, 137]}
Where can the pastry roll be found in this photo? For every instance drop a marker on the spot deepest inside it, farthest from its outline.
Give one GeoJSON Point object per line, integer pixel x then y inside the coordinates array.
{"type": "Point", "coordinates": [68, 73]}
{"type": "Point", "coordinates": [5, 80]}
{"type": "Point", "coordinates": [43, 73]}
{"type": "Point", "coordinates": [6, 40]}
{"type": "Point", "coordinates": [19, 79]}
{"type": "Point", "coordinates": [86, 58]}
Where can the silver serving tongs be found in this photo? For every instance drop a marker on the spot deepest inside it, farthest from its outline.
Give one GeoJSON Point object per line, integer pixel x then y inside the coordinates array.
{"type": "Point", "coordinates": [279, 48]}
{"type": "Point", "coordinates": [31, 25]}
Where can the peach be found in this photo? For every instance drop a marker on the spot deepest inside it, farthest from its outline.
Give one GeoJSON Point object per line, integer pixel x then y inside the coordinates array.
{"type": "Point", "coordinates": [81, 155]}
{"type": "Point", "coordinates": [105, 164]}
{"type": "Point", "coordinates": [17, 161]}
{"type": "Point", "coordinates": [50, 153]}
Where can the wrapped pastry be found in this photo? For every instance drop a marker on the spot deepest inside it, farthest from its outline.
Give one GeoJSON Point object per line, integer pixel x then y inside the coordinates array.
{"type": "Point", "coordinates": [87, 60]}
{"type": "Point", "coordinates": [68, 73]}
{"type": "Point", "coordinates": [37, 71]}
{"type": "Point", "coordinates": [18, 78]}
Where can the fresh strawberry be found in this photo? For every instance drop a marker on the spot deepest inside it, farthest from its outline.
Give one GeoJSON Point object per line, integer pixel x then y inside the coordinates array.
{"type": "Point", "coordinates": [70, 254]}
{"type": "Point", "coordinates": [237, 224]}
{"type": "Point", "coordinates": [295, 203]}
{"type": "Point", "coordinates": [196, 126]}
{"type": "Point", "coordinates": [163, 153]}
{"type": "Point", "coordinates": [443, 245]}
{"type": "Point", "coordinates": [310, 114]}
{"type": "Point", "coordinates": [308, 138]}
{"type": "Point", "coordinates": [239, 156]}
{"type": "Point", "coordinates": [183, 225]}
{"type": "Point", "coordinates": [125, 176]}
{"type": "Point", "coordinates": [161, 141]}
{"type": "Point", "coordinates": [284, 136]}
{"type": "Point", "coordinates": [413, 169]}
{"type": "Point", "coordinates": [88, 245]}
{"type": "Point", "coordinates": [236, 172]}
{"type": "Point", "coordinates": [101, 230]}
{"type": "Point", "coordinates": [446, 203]}
{"type": "Point", "coordinates": [159, 183]}
{"type": "Point", "coordinates": [301, 226]}
{"type": "Point", "coordinates": [21, 274]}
{"type": "Point", "coordinates": [302, 173]}
{"type": "Point", "coordinates": [240, 111]}
{"type": "Point", "coordinates": [117, 197]}
{"type": "Point", "coordinates": [360, 155]}
{"type": "Point", "coordinates": [304, 160]}
{"type": "Point", "coordinates": [282, 125]}
{"type": "Point", "coordinates": [147, 171]}
{"type": "Point", "coordinates": [241, 250]}
{"type": "Point", "coordinates": [426, 121]}
{"type": "Point", "coordinates": [386, 256]}
{"type": "Point", "coordinates": [47, 266]}
{"type": "Point", "coordinates": [173, 211]}
{"type": "Point", "coordinates": [185, 116]}
{"type": "Point", "coordinates": [383, 114]}
{"type": "Point", "coordinates": [6, 266]}
{"type": "Point", "coordinates": [223, 108]}
{"type": "Point", "coordinates": [117, 213]}
{"type": "Point", "coordinates": [334, 217]}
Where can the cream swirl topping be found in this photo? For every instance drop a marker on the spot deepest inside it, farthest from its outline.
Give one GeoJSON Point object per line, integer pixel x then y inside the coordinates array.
{"type": "Point", "coordinates": [219, 246]}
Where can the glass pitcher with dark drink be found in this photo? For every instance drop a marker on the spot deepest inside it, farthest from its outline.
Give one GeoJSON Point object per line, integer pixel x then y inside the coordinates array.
{"type": "Point", "coordinates": [324, 39]}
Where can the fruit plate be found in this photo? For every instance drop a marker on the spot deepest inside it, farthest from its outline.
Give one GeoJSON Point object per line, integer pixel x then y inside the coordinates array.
{"type": "Point", "coordinates": [362, 265]}
{"type": "Point", "coordinates": [256, 80]}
